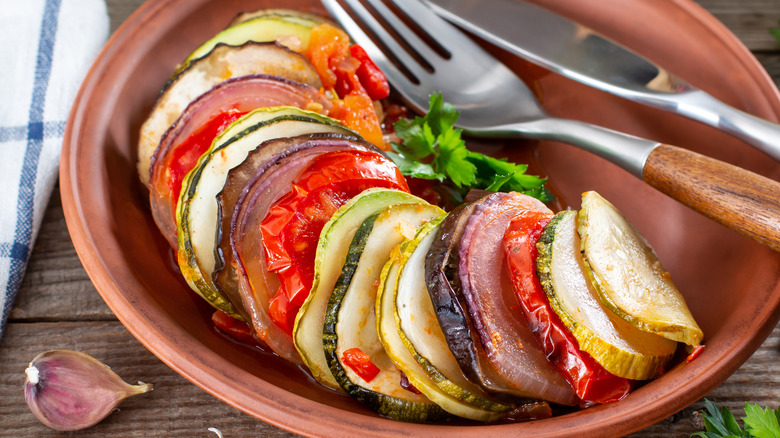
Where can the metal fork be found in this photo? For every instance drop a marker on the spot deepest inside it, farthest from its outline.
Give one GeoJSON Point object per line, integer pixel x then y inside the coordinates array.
{"type": "Point", "coordinates": [494, 102]}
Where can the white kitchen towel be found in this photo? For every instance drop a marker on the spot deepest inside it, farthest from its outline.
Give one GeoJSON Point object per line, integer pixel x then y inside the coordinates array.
{"type": "Point", "coordinates": [46, 48]}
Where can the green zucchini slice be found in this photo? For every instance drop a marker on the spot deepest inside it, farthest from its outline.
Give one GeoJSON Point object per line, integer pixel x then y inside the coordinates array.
{"type": "Point", "coordinates": [294, 13]}
{"type": "Point", "coordinates": [420, 331]}
{"type": "Point", "coordinates": [619, 347]}
{"type": "Point", "coordinates": [390, 335]}
{"type": "Point", "coordinates": [288, 30]}
{"type": "Point", "coordinates": [629, 276]}
{"type": "Point", "coordinates": [197, 212]}
{"type": "Point", "coordinates": [332, 248]}
{"type": "Point", "coordinates": [350, 320]}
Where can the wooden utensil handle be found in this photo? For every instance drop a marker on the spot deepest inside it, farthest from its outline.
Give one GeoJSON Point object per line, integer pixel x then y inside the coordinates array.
{"type": "Point", "coordinates": [737, 198]}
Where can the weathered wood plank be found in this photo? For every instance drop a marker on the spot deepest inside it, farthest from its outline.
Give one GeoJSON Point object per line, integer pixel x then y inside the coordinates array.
{"type": "Point", "coordinates": [178, 408]}
{"type": "Point", "coordinates": [119, 10]}
{"type": "Point", "coordinates": [174, 408]}
{"type": "Point", "coordinates": [771, 63]}
{"type": "Point", "coordinates": [749, 20]}
{"type": "Point", "coordinates": [55, 286]}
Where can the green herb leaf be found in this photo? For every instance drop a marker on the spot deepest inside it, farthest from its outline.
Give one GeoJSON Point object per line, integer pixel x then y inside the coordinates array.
{"type": "Point", "coordinates": [432, 148]}
{"type": "Point", "coordinates": [414, 168]}
{"type": "Point", "coordinates": [776, 32]}
{"type": "Point", "coordinates": [720, 422]}
{"type": "Point", "coordinates": [761, 423]}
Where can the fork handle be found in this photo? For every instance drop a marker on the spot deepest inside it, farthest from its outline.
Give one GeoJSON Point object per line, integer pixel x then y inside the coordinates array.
{"type": "Point", "coordinates": [737, 198]}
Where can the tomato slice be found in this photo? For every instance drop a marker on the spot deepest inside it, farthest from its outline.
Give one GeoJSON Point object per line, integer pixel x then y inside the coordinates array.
{"type": "Point", "coordinates": [297, 244]}
{"type": "Point", "coordinates": [327, 168]}
{"type": "Point", "coordinates": [587, 377]}
{"type": "Point", "coordinates": [360, 363]}
{"type": "Point", "coordinates": [184, 158]}
{"type": "Point", "coordinates": [232, 327]}
{"type": "Point", "coordinates": [292, 227]}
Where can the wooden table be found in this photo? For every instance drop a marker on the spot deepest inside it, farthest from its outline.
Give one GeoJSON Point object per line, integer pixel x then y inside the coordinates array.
{"type": "Point", "coordinates": [58, 307]}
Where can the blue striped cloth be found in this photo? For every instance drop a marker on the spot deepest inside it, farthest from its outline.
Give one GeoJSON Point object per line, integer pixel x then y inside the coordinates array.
{"type": "Point", "coordinates": [46, 47]}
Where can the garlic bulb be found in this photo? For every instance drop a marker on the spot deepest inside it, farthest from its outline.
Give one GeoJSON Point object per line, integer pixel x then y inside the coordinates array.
{"type": "Point", "coordinates": [68, 390]}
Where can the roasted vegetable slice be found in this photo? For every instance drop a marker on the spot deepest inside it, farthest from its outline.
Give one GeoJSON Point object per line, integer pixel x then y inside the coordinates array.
{"type": "Point", "coordinates": [287, 30]}
{"type": "Point", "coordinates": [628, 275]}
{"type": "Point", "coordinates": [441, 273]}
{"type": "Point", "coordinates": [420, 331]}
{"type": "Point", "coordinates": [350, 320]}
{"type": "Point", "coordinates": [487, 289]}
{"type": "Point", "coordinates": [250, 189]}
{"type": "Point", "coordinates": [245, 16]}
{"type": "Point", "coordinates": [192, 133]}
{"type": "Point", "coordinates": [589, 379]}
{"type": "Point", "coordinates": [619, 347]}
{"type": "Point", "coordinates": [200, 76]}
{"type": "Point", "coordinates": [196, 214]}
{"type": "Point", "coordinates": [332, 250]}
{"type": "Point", "coordinates": [292, 227]}
{"type": "Point", "coordinates": [394, 344]}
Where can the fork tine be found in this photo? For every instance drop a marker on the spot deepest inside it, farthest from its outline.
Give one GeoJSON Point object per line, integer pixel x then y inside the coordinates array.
{"type": "Point", "coordinates": [393, 74]}
{"type": "Point", "coordinates": [444, 33]}
{"type": "Point", "coordinates": [405, 32]}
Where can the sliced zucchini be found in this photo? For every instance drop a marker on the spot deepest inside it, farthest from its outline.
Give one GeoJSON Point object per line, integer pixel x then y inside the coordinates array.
{"type": "Point", "coordinates": [628, 275]}
{"type": "Point", "coordinates": [196, 214]}
{"type": "Point", "coordinates": [287, 30]}
{"type": "Point", "coordinates": [332, 248]}
{"type": "Point", "coordinates": [619, 347]}
{"type": "Point", "coordinates": [222, 63]}
{"type": "Point", "coordinates": [393, 343]}
{"type": "Point", "coordinates": [245, 16]}
{"type": "Point", "coordinates": [420, 331]}
{"type": "Point", "coordinates": [350, 320]}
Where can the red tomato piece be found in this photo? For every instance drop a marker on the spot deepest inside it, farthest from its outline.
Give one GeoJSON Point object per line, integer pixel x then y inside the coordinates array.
{"type": "Point", "coordinates": [297, 243]}
{"type": "Point", "coordinates": [353, 76]}
{"type": "Point", "coordinates": [371, 77]}
{"type": "Point", "coordinates": [292, 226]}
{"type": "Point", "coordinates": [360, 363]}
{"type": "Point", "coordinates": [234, 328]}
{"type": "Point", "coordinates": [184, 158]}
{"type": "Point", "coordinates": [587, 377]}
{"type": "Point", "coordinates": [301, 235]}
{"type": "Point", "coordinates": [697, 350]}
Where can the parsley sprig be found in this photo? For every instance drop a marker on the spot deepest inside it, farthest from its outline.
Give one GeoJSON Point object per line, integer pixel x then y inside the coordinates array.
{"type": "Point", "coordinates": [432, 148]}
{"type": "Point", "coordinates": [759, 423]}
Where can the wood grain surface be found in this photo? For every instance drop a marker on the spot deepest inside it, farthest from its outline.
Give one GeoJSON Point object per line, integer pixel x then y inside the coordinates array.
{"type": "Point", "coordinates": [58, 307]}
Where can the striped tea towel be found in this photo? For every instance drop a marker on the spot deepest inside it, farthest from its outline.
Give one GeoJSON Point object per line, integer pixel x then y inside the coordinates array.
{"type": "Point", "coordinates": [46, 47]}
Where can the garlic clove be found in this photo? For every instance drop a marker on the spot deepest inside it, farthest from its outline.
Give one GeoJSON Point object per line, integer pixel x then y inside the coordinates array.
{"type": "Point", "coordinates": [69, 390]}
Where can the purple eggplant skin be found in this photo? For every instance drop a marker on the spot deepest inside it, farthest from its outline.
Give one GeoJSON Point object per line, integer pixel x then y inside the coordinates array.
{"type": "Point", "coordinates": [443, 283]}
{"type": "Point", "coordinates": [452, 311]}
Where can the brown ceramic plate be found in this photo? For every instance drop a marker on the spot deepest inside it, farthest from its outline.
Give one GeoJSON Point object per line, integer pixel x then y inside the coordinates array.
{"type": "Point", "coordinates": [732, 284]}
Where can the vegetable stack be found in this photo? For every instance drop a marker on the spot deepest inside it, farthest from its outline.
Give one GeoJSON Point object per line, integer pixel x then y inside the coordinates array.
{"type": "Point", "coordinates": [270, 173]}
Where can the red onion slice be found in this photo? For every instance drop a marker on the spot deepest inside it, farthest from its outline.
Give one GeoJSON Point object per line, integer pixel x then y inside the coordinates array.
{"type": "Point", "coordinates": [487, 288]}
